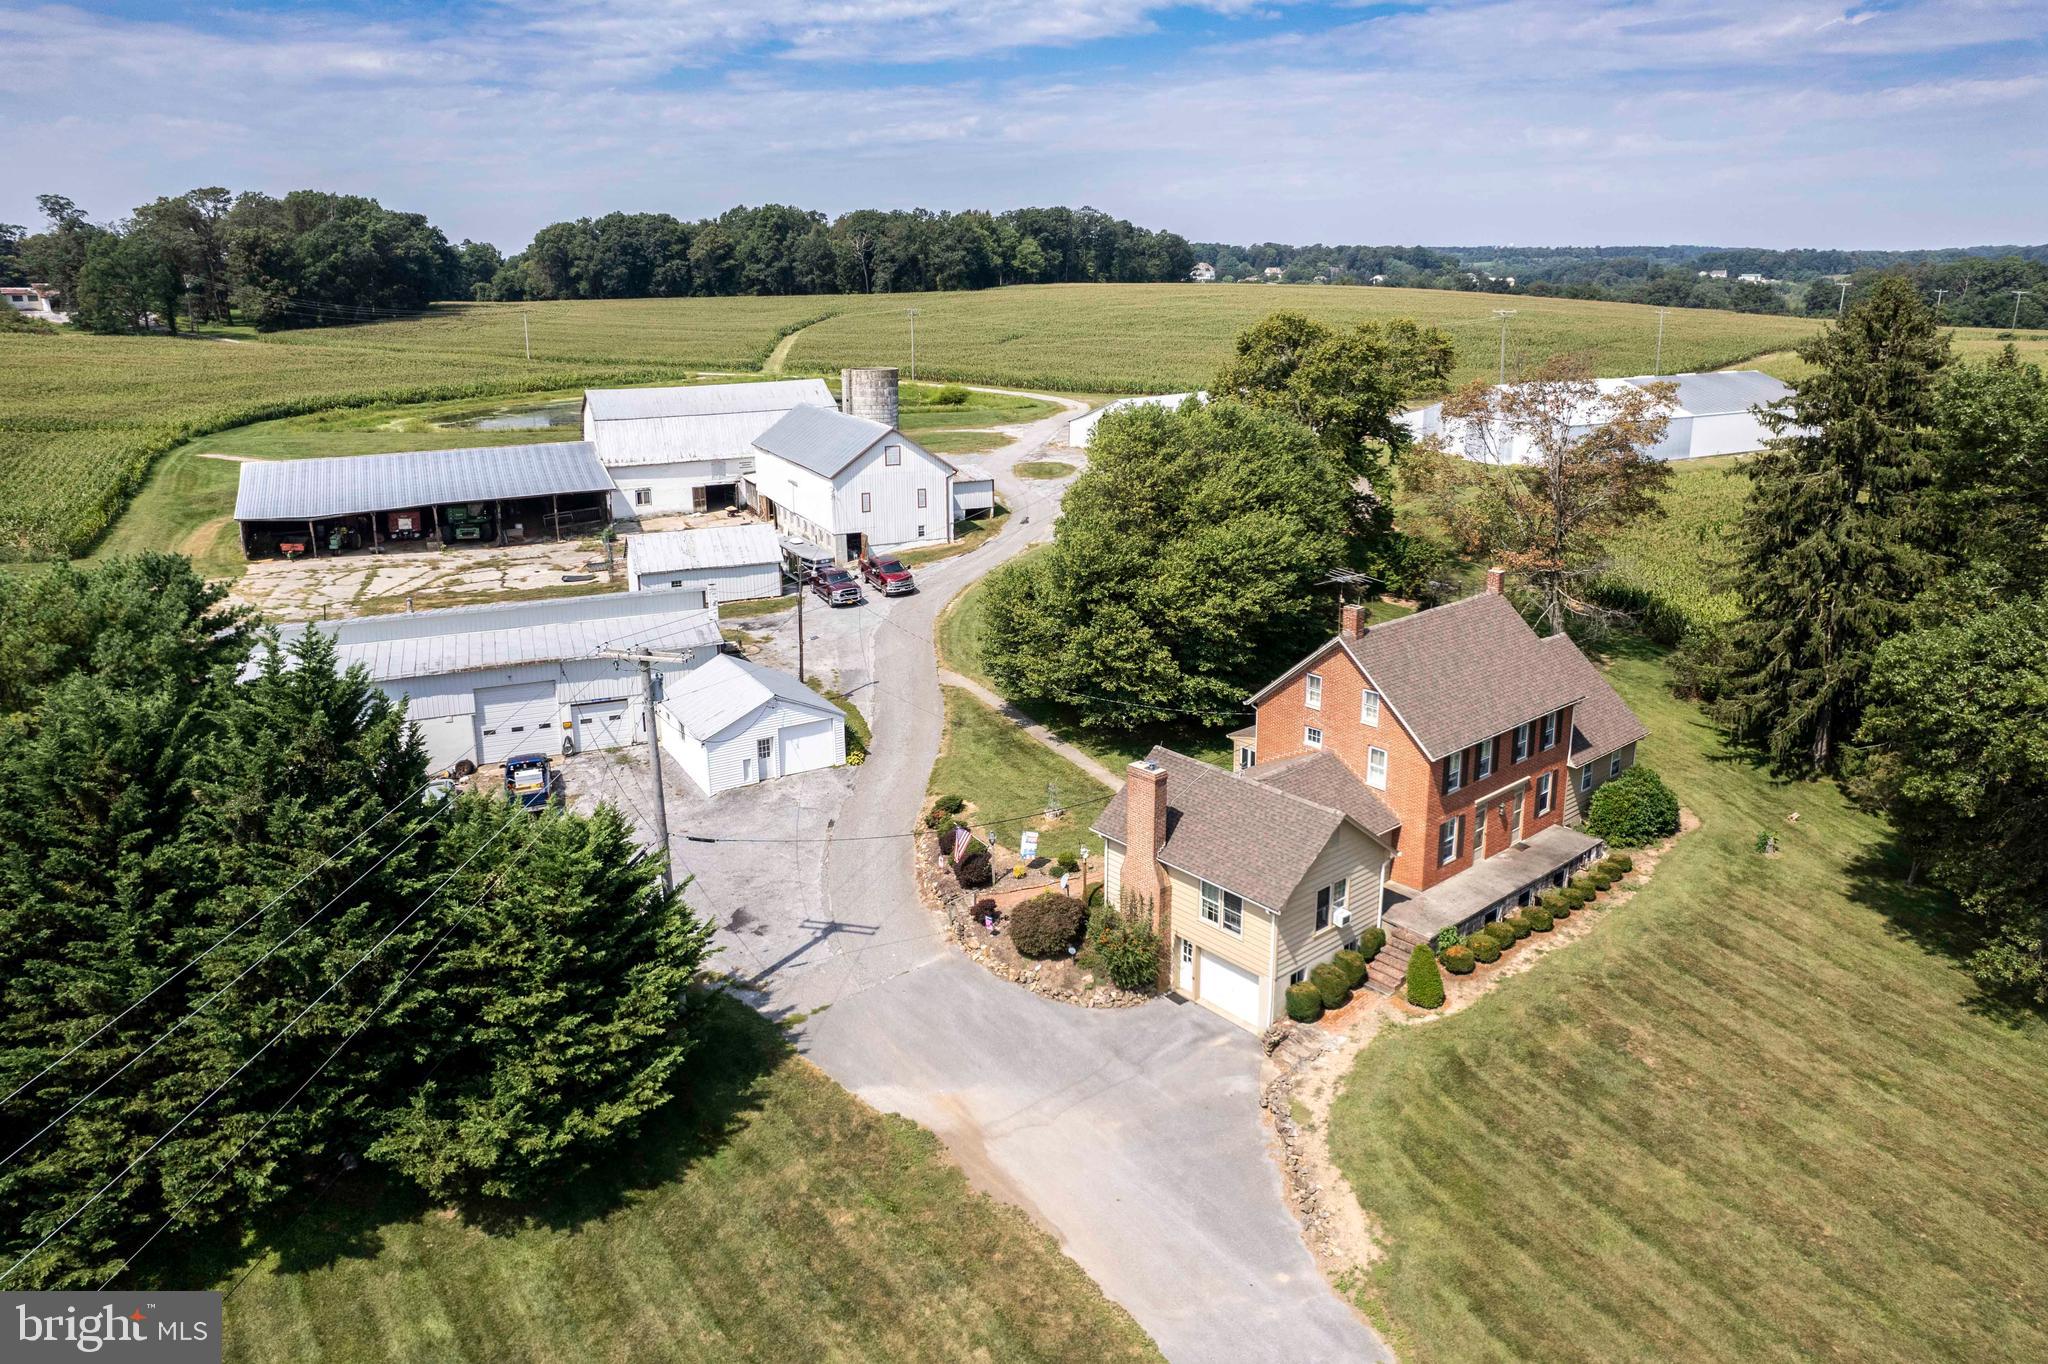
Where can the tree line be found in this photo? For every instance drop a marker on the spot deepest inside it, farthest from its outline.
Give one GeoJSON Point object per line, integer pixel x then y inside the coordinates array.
{"type": "Point", "coordinates": [242, 948]}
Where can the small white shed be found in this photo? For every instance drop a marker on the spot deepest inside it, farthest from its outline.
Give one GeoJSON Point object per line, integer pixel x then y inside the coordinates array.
{"type": "Point", "coordinates": [974, 492]}
{"type": "Point", "coordinates": [732, 723]}
{"type": "Point", "coordinates": [725, 563]}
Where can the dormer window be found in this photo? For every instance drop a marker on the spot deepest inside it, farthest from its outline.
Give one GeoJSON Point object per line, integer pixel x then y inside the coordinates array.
{"type": "Point", "coordinates": [1314, 697]}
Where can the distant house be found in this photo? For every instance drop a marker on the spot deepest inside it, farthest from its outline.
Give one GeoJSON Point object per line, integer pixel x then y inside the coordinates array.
{"type": "Point", "coordinates": [38, 301]}
{"type": "Point", "coordinates": [686, 449]}
{"type": "Point", "coordinates": [851, 481]}
{"type": "Point", "coordinates": [1713, 274]}
{"type": "Point", "coordinates": [1413, 776]}
{"type": "Point", "coordinates": [1716, 413]}
{"type": "Point", "coordinates": [1273, 273]}
{"type": "Point", "coordinates": [1081, 429]}
{"type": "Point", "coordinates": [1203, 273]}
{"type": "Point", "coordinates": [720, 563]}
{"type": "Point", "coordinates": [732, 723]}
{"type": "Point", "coordinates": [1378, 279]}
{"type": "Point", "coordinates": [1754, 278]}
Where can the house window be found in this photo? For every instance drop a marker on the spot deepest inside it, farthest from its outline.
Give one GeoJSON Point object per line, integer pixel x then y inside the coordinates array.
{"type": "Point", "coordinates": [1223, 908]}
{"type": "Point", "coordinates": [1245, 758]}
{"type": "Point", "coordinates": [1521, 742]}
{"type": "Point", "coordinates": [1585, 779]}
{"type": "Point", "coordinates": [1545, 784]}
{"type": "Point", "coordinates": [867, 502]}
{"type": "Point", "coordinates": [1369, 707]}
{"type": "Point", "coordinates": [892, 454]}
{"type": "Point", "coordinates": [1314, 700]}
{"type": "Point", "coordinates": [920, 497]}
{"type": "Point", "coordinates": [642, 496]}
{"type": "Point", "coordinates": [1454, 771]}
{"type": "Point", "coordinates": [1550, 729]}
{"type": "Point", "coordinates": [920, 532]}
{"type": "Point", "coordinates": [1483, 768]}
{"type": "Point", "coordinates": [1312, 736]}
{"type": "Point", "coordinates": [1614, 766]}
{"type": "Point", "coordinates": [1296, 977]}
{"type": "Point", "coordinates": [1330, 904]}
{"type": "Point", "coordinates": [1376, 768]}
{"type": "Point", "coordinates": [1447, 841]}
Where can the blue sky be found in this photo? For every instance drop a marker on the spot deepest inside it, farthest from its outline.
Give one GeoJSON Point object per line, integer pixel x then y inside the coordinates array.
{"type": "Point", "coordinates": [1892, 123]}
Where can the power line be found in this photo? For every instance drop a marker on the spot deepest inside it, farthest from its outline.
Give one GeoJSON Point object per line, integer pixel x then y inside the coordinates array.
{"type": "Point", "coordinates": [204, 1004]}
{"type": "Point", "coordinates": [257, 1055]}
{"type": "Point", "coordinates": [218, 943]}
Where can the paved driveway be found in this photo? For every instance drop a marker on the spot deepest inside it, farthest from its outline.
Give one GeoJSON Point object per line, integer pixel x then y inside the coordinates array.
{"type": "Point", "coordinates": [1132, 1135]}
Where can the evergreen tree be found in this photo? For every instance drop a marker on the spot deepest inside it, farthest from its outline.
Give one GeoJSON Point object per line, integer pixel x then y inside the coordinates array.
{"type": "Point", "coordinates": [554, 1018]}
{"type": "Point", "coordinates": [1824, 546]}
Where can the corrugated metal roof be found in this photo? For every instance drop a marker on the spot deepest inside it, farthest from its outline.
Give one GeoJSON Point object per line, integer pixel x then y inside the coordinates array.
{"type": "Point", "coordinates": [701, 400]}
{"type": "Point", "coordinates": [474, 638]}
{"type": "Point", "coordinates": [1733, 390]}
{"type": "Point", "coordinates": [670, 551]}
{"type": "Point", "coordinates": [820, 439]}
{"type": "Point", "coordinates": [715, 695]}
{"type": "Point", "coordinates": [971, 473]}
{"type": "Point", "coordinates": [307, 489]}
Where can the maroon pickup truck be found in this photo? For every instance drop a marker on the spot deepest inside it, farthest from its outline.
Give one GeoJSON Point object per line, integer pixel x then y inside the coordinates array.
{"type": "Point", "coordinates": [887, 575]}
{"type": "Point", "coordinates": [837, 587]}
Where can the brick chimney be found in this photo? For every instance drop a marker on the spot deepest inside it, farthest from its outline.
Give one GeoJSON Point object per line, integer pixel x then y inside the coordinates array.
{"type": "Point", "coordinates": [1144, 836]}
{"type": "Point", "coordinates": [1351, 621]}
{"type": "Point", "coordinates": [1496, 580]}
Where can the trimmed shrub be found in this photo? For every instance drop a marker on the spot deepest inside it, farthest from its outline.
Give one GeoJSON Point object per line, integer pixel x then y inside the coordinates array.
{"type": "Point", "coordinates": [1633, 810]}
{"type": "Point", "coordinates": [1539, 920]}
{"type": "Point", "coordinates": [1068, 864]}
{"type": "Point", "coordinates": [1304, 1003]}
{"type": "Point", "coordinates": [1621, 862]}
{"type": "Point", "coordinates": [951, 805]}
{"type": "Point", "coordinates": [1124, 947]}
{"type": "Point", "coordinates": [1331, 984]}
{"type": "Point", "coordinates": [1485, 946]}
{"type": "Point", "coordinates": [1449, 937]}
{"type": "Point", "coordinates": [1371, 941]}
{"type": "Point", "coordinates": [952, 395]}
{"type": "Point", "coordinates": [975, 871]}
{"type": "Point", "coordinates": [1600, 881]}
{"type": "Point", "coordinates": [1518, 924]}
{"type": "Point", "coordinates": [1425, 982]}
{"type": "Point", "coordinates": [984, 906]}
{"type": "Point", "coordinates": [1353, 967]}
{"type": "Point", "coordinates": [1046, 925]}
{"type": "Point", "coordinates": [1561, 910]}
{"type": "Point", "coordinates": [1578, 896]}
{"type": "Point", "coordinates": [1551, 899]}
{"type": "Point", "coordinates": [1499, 934]}
{"type": "Point", "coordinates": [1459, 960]}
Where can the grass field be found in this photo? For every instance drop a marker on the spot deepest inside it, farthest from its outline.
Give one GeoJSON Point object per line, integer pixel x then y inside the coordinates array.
{"type": "Point", "coordinates": [1759, 1115]}
{"type": "Point", "coordinates": [772, 1217]}
{"type": "Point", "coordinates": [1678, 556]}
{"type": "Point", "coordinates": [1010, 777]}
{"type": "Point", "coordinates": [1044, 468]}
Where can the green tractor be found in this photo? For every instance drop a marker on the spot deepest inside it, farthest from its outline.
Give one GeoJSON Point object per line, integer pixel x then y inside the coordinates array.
{"type": "Point", "coordinates": [466, 522]}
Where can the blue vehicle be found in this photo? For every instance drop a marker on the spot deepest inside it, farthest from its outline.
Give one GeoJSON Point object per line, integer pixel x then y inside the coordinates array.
{"type": "Point", "coordinates": [529, 780]}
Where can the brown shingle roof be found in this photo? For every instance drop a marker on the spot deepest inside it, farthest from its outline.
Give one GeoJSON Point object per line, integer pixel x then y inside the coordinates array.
{"type": "Point", "coordinates": [1253, 838]}
{"type": "Point", "coordinates": [1459, 673]}
{"type": "Point", "coordinates": [1602, 721]}
{"type": "Point", "coordinates": [1324, 779]}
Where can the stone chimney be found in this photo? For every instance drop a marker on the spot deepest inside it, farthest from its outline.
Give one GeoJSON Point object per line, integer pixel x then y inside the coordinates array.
{"type": "Point", "coordinates": [1144, 836]}
{"type": "Point", "coordinates": [869, 393]}
{"type": "Point", "coordinates": [1496, 580]}
{"type": "Point", "coordinates": [1351, 621]}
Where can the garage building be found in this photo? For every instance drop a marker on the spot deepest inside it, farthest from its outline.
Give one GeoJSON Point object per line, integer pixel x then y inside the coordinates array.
{"type": "Point", "coordinates": [733, 723]}
{"type": "Point", "coordinates": [686, 449]}
{"type": "Point", "coordinates": [974, 492]}
{"type": "Point", "coordinates": [486, 683]}
{"type": "Point", "coordinates": [494, 495]}
{"type": "Point", "coordinates": [723, 563]}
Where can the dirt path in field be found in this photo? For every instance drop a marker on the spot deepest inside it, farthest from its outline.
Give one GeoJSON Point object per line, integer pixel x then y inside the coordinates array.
{"type": "Point", "coordinates": [195, 544]}
{"type": "Point", "coordinates": [778, 357]}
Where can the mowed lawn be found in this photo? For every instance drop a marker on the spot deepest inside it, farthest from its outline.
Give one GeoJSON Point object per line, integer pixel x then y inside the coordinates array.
{"type": "Point", "coordinates": [1172, 337]}
{"type": "Point", "coordinates": [1760, 1114]}
{"type": "Point", "coordinates": [1012, 779]}
{"type": "Point", "coordinates": [774, 1217]}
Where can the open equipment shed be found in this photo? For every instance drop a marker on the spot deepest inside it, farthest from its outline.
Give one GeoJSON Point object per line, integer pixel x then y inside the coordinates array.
{"type": "Point", "coordinates": [499, 494]}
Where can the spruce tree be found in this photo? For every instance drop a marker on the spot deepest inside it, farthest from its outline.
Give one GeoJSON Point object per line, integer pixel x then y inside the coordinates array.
{"type": "Point", "coordinates": [1826, 557]}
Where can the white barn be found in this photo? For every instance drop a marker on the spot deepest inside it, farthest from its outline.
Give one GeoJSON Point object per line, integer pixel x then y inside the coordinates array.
{"type": "Point", "coordinates": [689, 448]}
{"type": "Point", "coordinates": [1082, 428]}
{"type": "Point", "coordinates": [850, 483]}
{"type": "Point", "coordinates": [722, 563]}
{"type": "Point", "coordinates": [733, 723]}
{"type": "Point", "coordinates": [486, 683]}
{"type": "Point", "coordinates": [1715, 413]}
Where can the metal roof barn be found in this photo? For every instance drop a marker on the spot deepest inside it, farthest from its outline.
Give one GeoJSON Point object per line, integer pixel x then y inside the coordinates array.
{"type": "Point", "coordinates": [671, 551]}
{"type": "Point", "coordinates": [820, 439]}
{"type": "Point", "coordinates": [315, 489]}
{"type": "Point", "coordinates": [633, 426]}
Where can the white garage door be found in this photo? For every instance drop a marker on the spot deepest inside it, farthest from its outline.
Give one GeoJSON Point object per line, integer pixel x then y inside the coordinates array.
{"type": "Point", "coordinates": [514, 720]}
{"type": "Point", "coordinates": [1229, 987]}
{"type": "Point", "coordinates": [807, 746]}
{"type": "Point", "coordinates": [604, 724]}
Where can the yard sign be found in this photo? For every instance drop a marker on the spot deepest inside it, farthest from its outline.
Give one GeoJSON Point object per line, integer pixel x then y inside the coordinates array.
{"type": "Point", "coordinates": [1027, 847]}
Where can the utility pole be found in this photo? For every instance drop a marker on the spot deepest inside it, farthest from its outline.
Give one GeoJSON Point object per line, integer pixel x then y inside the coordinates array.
{"type": "Point", "coordinates": [1843, 301]}
{"type": "Point", "coordinates": [527, 332]}
{"type": "Point", "coordinates": [913, 343]}
{"type": "Point", "coordinates": [1659, 370]}
{"type": "Point", "coordinates": [802, 588]}
{"type": "Point", "coordinates": [1504, 314]}
{"type": "Point", "coordinates": [2017, 295]}
{"type": "Point", "coordinates": [1939, 294]}
{"type": "Point", "coordinates": [647, 658]}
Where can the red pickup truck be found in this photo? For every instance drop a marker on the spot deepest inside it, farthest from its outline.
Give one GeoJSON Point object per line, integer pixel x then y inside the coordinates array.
{"type": "Point", "coordinates": [887, 575]}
